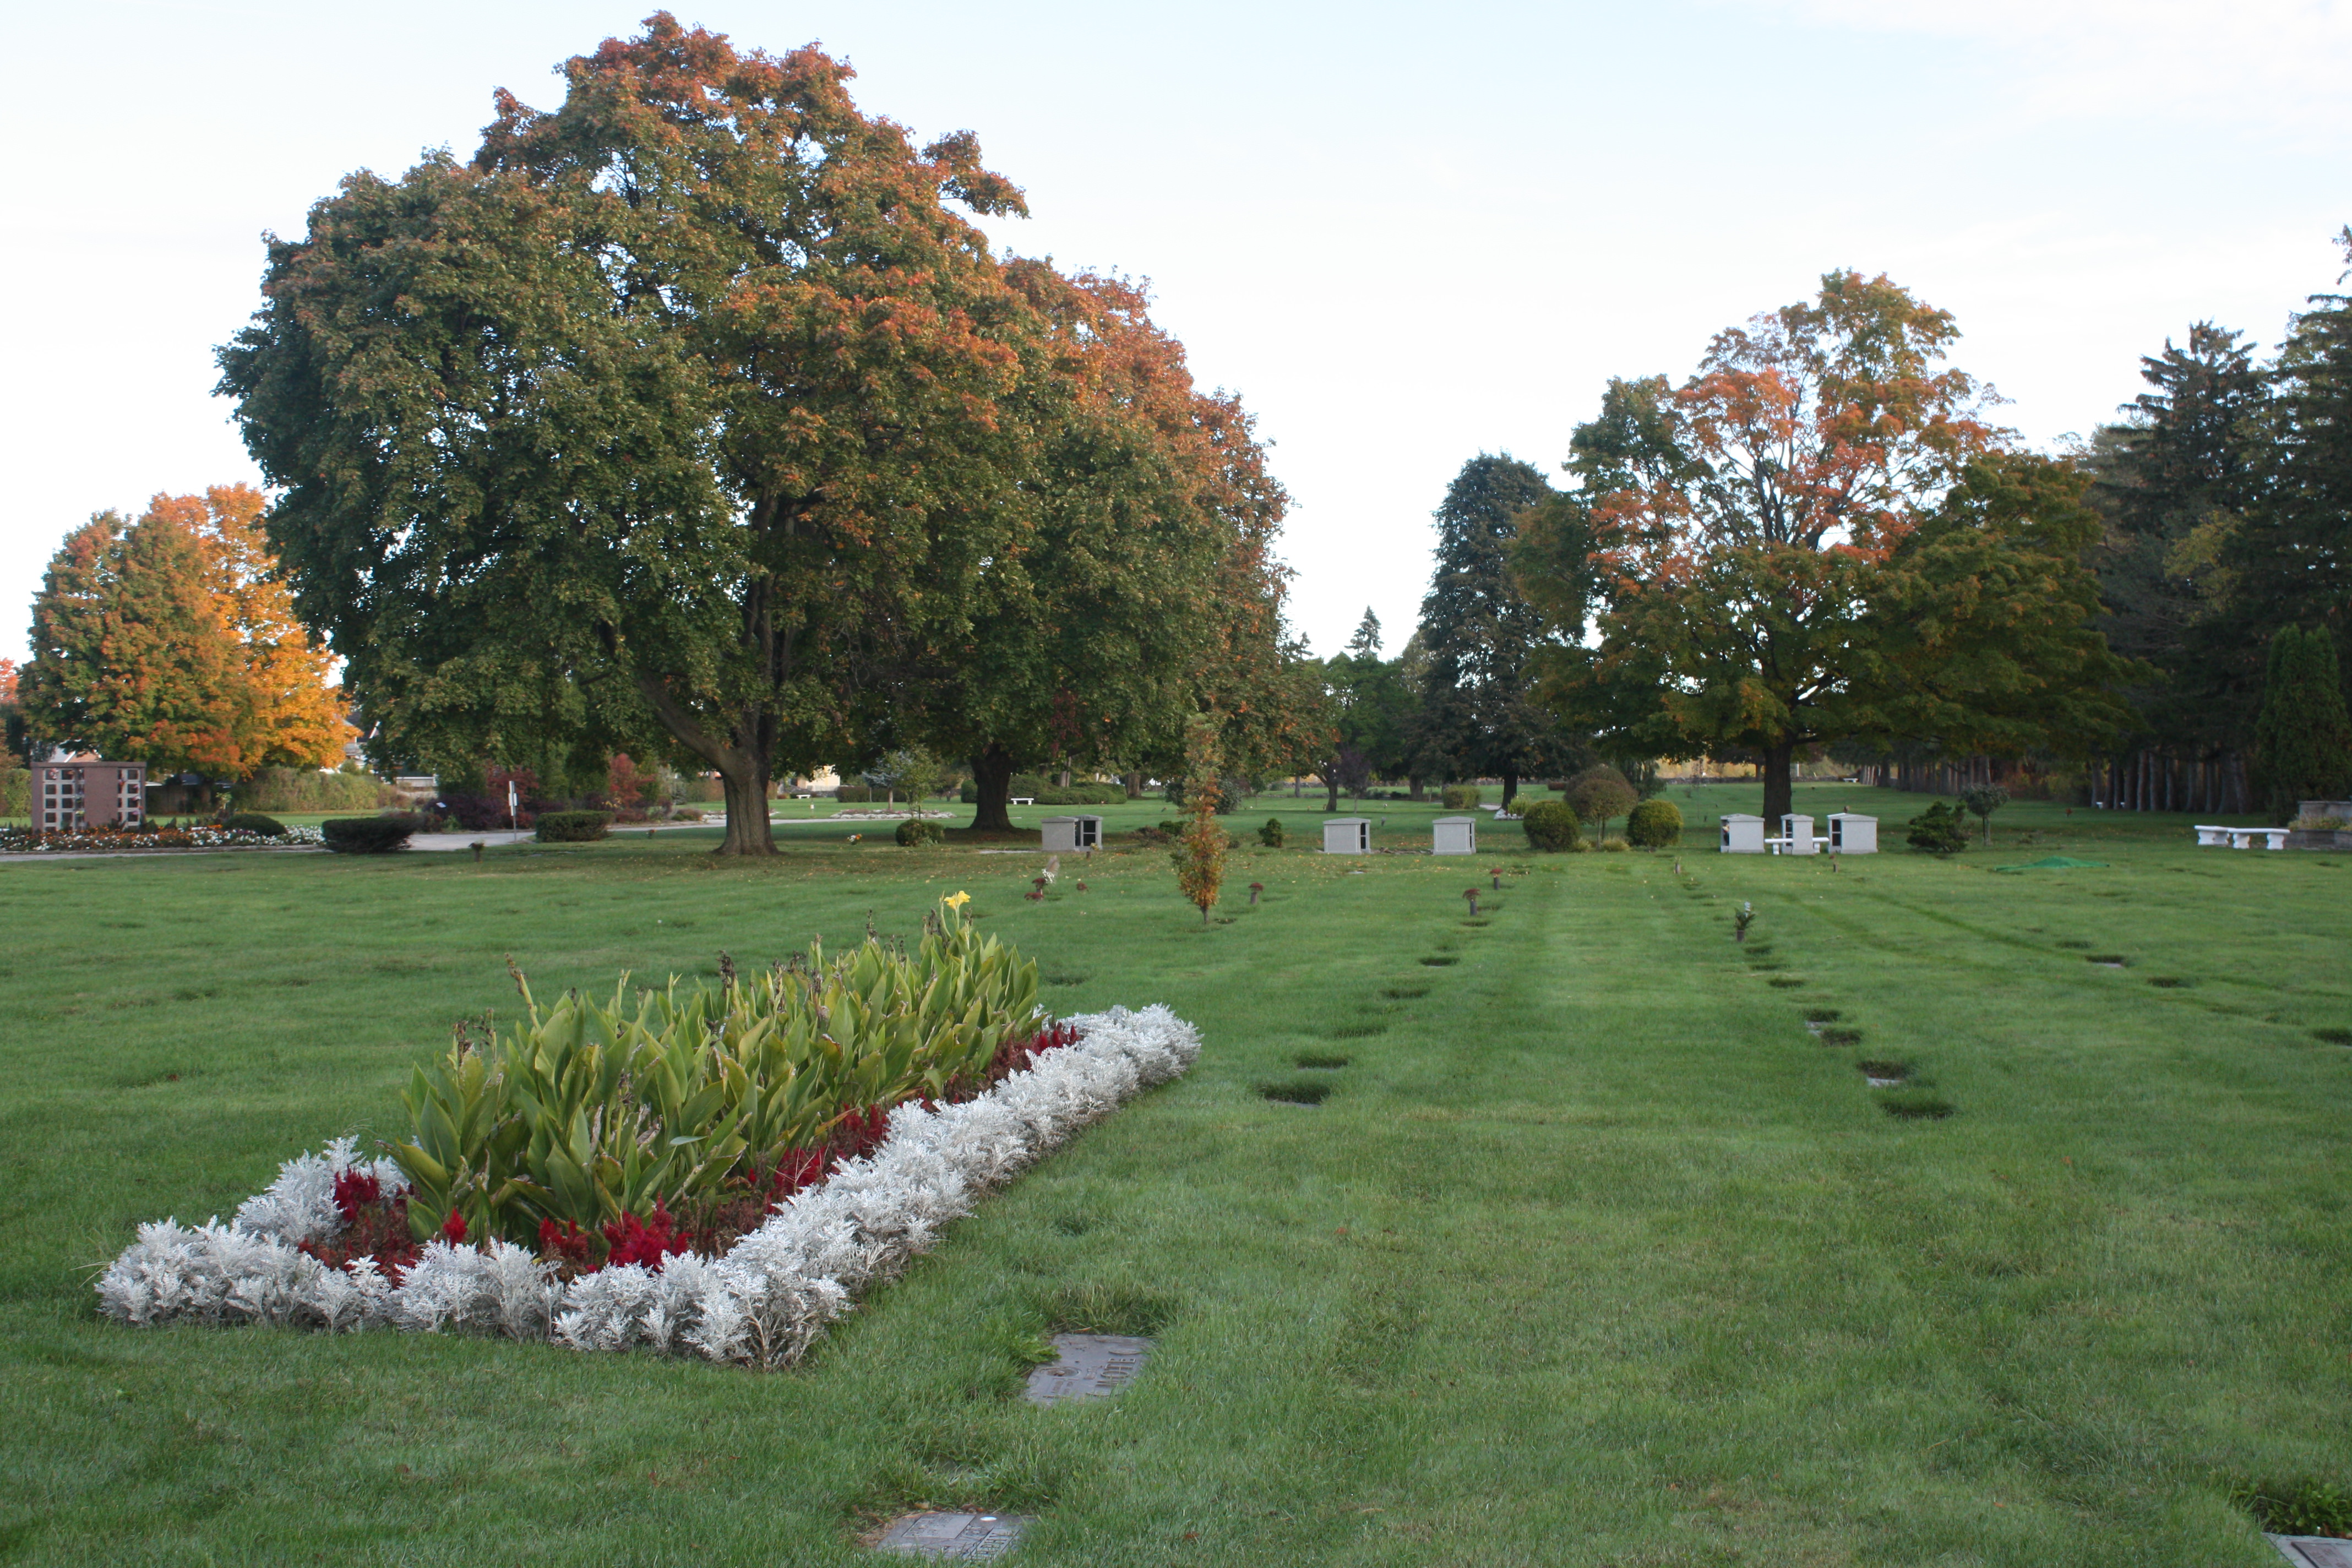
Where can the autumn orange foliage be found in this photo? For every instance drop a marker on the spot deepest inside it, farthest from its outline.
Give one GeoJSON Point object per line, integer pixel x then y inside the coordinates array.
{"type": "Point", "coordinates": [163, 639]}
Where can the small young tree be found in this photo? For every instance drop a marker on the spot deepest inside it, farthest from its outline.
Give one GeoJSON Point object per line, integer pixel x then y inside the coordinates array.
{"type": "Point", "coordinates": [1984, 800]}
{"type": "Point", "coordinates": [1200, 854]}
{"type": "Point", "coordinates": [1598, 793]}
{"type": "Point", "coordinates": [2303, 740]}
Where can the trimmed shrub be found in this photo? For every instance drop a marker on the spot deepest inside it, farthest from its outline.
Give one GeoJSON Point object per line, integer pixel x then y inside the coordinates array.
{"type": "Point", "coordinates": [1938, 830]}
{"type": "Point", "coordinates": [369, 835]}
{"type": "Point", "coordinates": [15, 791]}
{"type": "Point", "coordinates": [571, 826]}
{"type": "Point", "coordinates": [1271, 833]}
{"type": "Point", "coordinates": [308, 789]}
{"type": "Point", "coordinates": [1082, 794]}
{"type": "Point", "coordinates": [1460, 797]}
{"type": "Point", "coordinates": [853, 795]}
{"type": "Point", "coordinates": [1550, 826]}
{"type": "Point", "coordinates": [914, 830]}
{"type": "Point", "coordinates": [480, 813]}
{"type": "Point", "coordinates": [1655, 824]}
{"type": "Point", "coordinates": [254, 822]}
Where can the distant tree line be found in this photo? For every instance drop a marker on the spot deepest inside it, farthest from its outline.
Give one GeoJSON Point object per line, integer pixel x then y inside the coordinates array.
{"type": "Point", "coordinates": [1819, 545]}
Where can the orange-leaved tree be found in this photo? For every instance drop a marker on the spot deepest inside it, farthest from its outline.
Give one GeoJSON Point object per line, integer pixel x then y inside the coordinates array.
{"type": "Point", "coordinates": [163, 640]}
{"type": "Point", "coordinates": [1200, 854]}
{"type": "Point", "coordinates": [1818, 537]}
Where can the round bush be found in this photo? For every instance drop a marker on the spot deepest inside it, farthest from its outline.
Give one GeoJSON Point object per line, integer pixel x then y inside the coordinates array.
{"type": "Point", "coordinates": [916, 830]}
{"type": "Point", "coordinates": [1655, 824]}
{"type": "Point", "coordinates": [1460, 797]}
{"type": "Point", "coordinates": [254, 822]}
{"type": "Point", "coordinates": [1271, 833]}
{"type": "Point", "coordinates": [1550, 826]}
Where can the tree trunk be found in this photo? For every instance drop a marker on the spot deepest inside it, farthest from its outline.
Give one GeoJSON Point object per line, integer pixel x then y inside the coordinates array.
{"type": "Point", "coordinates": [991, 777]}
{"type": "Point", "coordinates": [1331, 785]}
{"type": "Point", "coordinates": [1510, 788]}
{"type": "Point", "coordinates": [1420, 786]}
{"type": "Point", "coordinates": [1779, 797]}
{"type": "Point", "coordinates": [1134, 782]}
{"type": "Point", "coordinates": [1065, 779]}
{"type": "Point", "coordinates": [748, 832]}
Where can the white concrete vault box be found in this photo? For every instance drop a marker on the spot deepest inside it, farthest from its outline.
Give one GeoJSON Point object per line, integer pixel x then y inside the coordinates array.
{"type": "Point", "coordinates": [1348, 835]}
{"type": "Point", "coordinates": [1795, 836]}
{"type": "Point", "coordinates": [1853, 834]}
{"type": "Point", "coordinates": [1073, 834]}
{"type": "Point", "coordinates": [1453, 835]}
{"type": "Point", "coordinates": [1742, 834]}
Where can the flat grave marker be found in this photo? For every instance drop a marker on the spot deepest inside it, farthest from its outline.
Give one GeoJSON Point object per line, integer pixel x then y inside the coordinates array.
{"type": "Point", "coordinates": [2313, 1551]}
{"type": "Point", "coordinates": [1088, 1366]}
{"type": "Point", "coordinates": [955, 1537]}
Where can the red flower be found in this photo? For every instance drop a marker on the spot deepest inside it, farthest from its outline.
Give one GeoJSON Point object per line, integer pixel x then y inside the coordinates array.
{"type": "Point", "coordinates": [356, 1190]}
{"type": "Point", "coordinates": [634, 1241]}
{"type": "Point", "coordinates": [566, 1240]}
{"type": "Point", "coordinates": [453, 1230]}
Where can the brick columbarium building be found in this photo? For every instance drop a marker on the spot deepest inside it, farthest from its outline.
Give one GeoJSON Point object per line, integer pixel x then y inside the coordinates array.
{"type": "Point", "coordinates": [83, 795]}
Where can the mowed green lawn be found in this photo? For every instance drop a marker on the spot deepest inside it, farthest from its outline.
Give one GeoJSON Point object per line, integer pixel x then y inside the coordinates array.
{"type": "Point", "coordinates": [1593, 1255]}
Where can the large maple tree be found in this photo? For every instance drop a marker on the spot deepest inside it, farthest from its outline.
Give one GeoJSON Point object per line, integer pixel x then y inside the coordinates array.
{"type": "Point", "coordinates": [684, 403]}
{"type": "Point", "coordinates": [1820, 537]}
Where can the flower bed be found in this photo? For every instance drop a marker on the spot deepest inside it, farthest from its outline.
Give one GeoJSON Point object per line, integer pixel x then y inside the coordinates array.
{"type": "Point", "coordinates": [29, 841]}
{"type": "Point", "coordinates": [762, 1302]}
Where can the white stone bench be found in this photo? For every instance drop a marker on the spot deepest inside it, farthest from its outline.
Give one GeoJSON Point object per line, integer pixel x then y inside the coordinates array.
{"type": "Point", "coordinates": [2243, 838]}
{"type": "Point", "coordinates": [1024, 800]}
{"type": "Point", "coordinates": [2212, 837]}
{"type": "Point", "coordinates": [1782, 846]}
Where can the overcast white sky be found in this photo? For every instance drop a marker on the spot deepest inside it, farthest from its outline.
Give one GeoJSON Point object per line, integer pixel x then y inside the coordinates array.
{"type": "Point", "coordinates": [1404, 235]}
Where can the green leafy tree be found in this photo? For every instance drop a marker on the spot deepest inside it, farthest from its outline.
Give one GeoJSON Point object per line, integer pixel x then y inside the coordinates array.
{"type": "Point", "coordinates": [1983, 801]}
{"type": "Point", "coordinates": [2303, 739]}
{"type": "Point", "coordinates": [685, 410]}
{"type": "Point", "coordinates": [1480, 635]}
{"type": "Point", "coordinates": [1148, 589]}
{"type": "Point", "coordinates": [1818, 538]}
{"type": "Point", "coordinates": [1599, 793]}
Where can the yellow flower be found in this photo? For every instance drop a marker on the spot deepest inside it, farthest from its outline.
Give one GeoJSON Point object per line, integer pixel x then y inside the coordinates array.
{"type": "Point", "coordinates": [956, 900]}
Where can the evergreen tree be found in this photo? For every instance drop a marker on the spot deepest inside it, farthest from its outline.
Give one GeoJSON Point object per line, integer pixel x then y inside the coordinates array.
{"type": "Point", "coordinates": [2302, 741]}
{"type": "Point", "coordinates": [2291, 563]}
{"type": "Point", "coordinates": [1367, 639]}
{"type": "Point", "coordinates": [1480, 634]}
{"type": "Point", "coordinates": [2174, 482]}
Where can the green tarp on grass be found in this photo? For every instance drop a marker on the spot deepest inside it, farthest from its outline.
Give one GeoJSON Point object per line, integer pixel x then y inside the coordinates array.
{"type": "Point", "coordinates": [2054, 863]}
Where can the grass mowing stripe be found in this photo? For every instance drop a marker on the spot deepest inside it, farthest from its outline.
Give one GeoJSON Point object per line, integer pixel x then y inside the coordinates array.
{"type": "Point", "coordinates": [1593, 1255]}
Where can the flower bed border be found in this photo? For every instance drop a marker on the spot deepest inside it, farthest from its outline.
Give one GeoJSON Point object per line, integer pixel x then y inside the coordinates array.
{"type": "Point", "coordinates": [761, 1304]}
{"type": "Point", "coordinates": [152, 841]}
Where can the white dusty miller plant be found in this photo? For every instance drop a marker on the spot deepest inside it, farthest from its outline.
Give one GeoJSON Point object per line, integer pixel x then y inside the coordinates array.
{"type": "Point", "coordinates": [761, 1304]}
